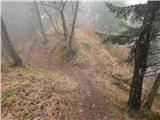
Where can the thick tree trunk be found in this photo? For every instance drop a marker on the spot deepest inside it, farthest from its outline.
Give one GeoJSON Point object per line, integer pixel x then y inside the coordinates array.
{"type": "Point", "coordinates": [40, 23]}
{"type": "Point", "coordinates": [141, 55]}
{"type": "Point", "coordinates": [152, 94]}
{"type": "Point", "coordinates": [73, 27]}
{"type": "Point", "coordinates": [17, 61]}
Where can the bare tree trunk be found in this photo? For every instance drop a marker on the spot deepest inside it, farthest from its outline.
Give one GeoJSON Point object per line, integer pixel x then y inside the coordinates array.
{"type": "Point", "coordinates": [64, 26]}
{"type": "Point", "coordinates": [73, 27]}
{"type": "Point", "coordinates": [17, 61]}
{"type": "Point", "coordinates": [4, 54]}
{"type": "Point", "coordinates": [57, 22]}
{"type": "Point", "coordinates": [152, 94]}
{"type": "Point", "coordinates": [40, 23]}
{"type": "Point", "coordinates": [141, 55]}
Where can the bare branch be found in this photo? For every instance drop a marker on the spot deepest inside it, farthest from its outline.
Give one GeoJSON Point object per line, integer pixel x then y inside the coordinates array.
{"type": "Point", "coordinates": [155, 70]}
{"type": "Point", "coordinates": [42, 3]}
{"type": "Point", "coordinates": [153, 64]}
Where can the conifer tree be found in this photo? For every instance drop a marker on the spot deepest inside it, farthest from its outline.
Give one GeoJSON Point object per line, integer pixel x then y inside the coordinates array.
{"type": "Point", "coordinates": [148, 16]}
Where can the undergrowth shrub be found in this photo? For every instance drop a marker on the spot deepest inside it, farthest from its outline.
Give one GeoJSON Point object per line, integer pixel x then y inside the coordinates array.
{"type": "Point", "coordinates": [81, 58]}
{"type": "Point", "coordinates": [61, 55]}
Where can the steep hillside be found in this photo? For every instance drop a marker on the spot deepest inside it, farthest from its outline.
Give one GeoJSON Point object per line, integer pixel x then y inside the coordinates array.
{"type": "Point", "coordinates": [33, 93]}
{"type": "Point", "coordinates": [89, 85]}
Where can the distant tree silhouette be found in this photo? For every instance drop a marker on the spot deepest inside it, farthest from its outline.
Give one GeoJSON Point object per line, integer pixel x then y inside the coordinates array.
{"type": "Point", "coordinates": [17, 61]}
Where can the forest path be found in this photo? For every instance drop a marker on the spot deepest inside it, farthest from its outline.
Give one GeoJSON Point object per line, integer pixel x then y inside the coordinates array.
{"type": "Point", "coordinates": [91, 104]}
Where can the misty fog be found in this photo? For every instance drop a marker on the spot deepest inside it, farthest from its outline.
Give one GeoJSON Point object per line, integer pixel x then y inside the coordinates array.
{"type": "Point", "coordinates": [22, 22]}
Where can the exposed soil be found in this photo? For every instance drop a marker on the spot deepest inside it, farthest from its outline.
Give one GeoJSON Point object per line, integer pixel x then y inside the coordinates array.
{"type": "Point", "coordinates": [91, 103]}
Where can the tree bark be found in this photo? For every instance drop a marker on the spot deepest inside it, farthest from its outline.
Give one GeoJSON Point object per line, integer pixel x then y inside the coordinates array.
{"type": "Point", "coordinates": [17, 61]}
{"type": "Point", "coordinates": [73, 27]}
{"type": "Point", "coordinates": [40, 23]}
{"type": "Point", "coordinates": [152, 94]}
{"type": "Point", "coordinates": [64, 26]}
{"type": "Point", "coordinates": [141, 55]}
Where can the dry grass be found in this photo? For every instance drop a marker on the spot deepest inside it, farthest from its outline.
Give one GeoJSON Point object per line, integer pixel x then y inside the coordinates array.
{"type": "Point", "coordinates": [37, 93]}
{"type": "Point", "coordinates": [81, 58]}
{"type": "Point", "coordinates": [34, 93]}
{"type": "Point", "coordinates": [102, 64]}
{"type": "Point", "coordinates": [118, 51]}
{"type": "Point", "coordinates": [60, 56]}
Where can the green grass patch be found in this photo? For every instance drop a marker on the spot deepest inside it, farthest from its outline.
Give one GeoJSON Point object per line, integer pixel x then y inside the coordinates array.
{"type": "Point", "coordinates": [60, 56]}
{"type": "Point", "coordinates": [104, 39]}
{"type": "Point", "coordinates": [7, 95]}
{"type": "Point", "coordinates": [157, 117]}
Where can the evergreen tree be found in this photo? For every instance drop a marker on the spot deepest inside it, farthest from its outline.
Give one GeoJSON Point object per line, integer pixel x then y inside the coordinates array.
{"type": "Point", "coordinates": [135, 15]}
{"type": "Point", "coordinates": [141, 55]}
{"type": "Point", "coordinates": [142, 37]}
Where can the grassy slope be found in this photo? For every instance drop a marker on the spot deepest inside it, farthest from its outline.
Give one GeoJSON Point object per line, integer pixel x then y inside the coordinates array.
{"type": "Point", "coordinates": [32, 93]}
{"type": "Point", "coordinates": [102, 68]}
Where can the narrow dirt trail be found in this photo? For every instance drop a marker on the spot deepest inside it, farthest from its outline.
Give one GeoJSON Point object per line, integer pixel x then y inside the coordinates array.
{"type": "Point", "coordinates": [91, 101]}
{"type": "Point", "coordinates": [91, 104]}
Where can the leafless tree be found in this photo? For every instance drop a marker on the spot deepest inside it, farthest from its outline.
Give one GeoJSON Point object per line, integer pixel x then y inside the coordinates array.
{"type": "Point", "coordinates": [73, 27]}
{"type": "Point", "coordinates": [68, 34]}
{"type": "Point", "coordinates": [17, 61]}
{"type": "Point", "coordinates": [49, 16]}
{"type": "Point", "coordinates": [40, 23]}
